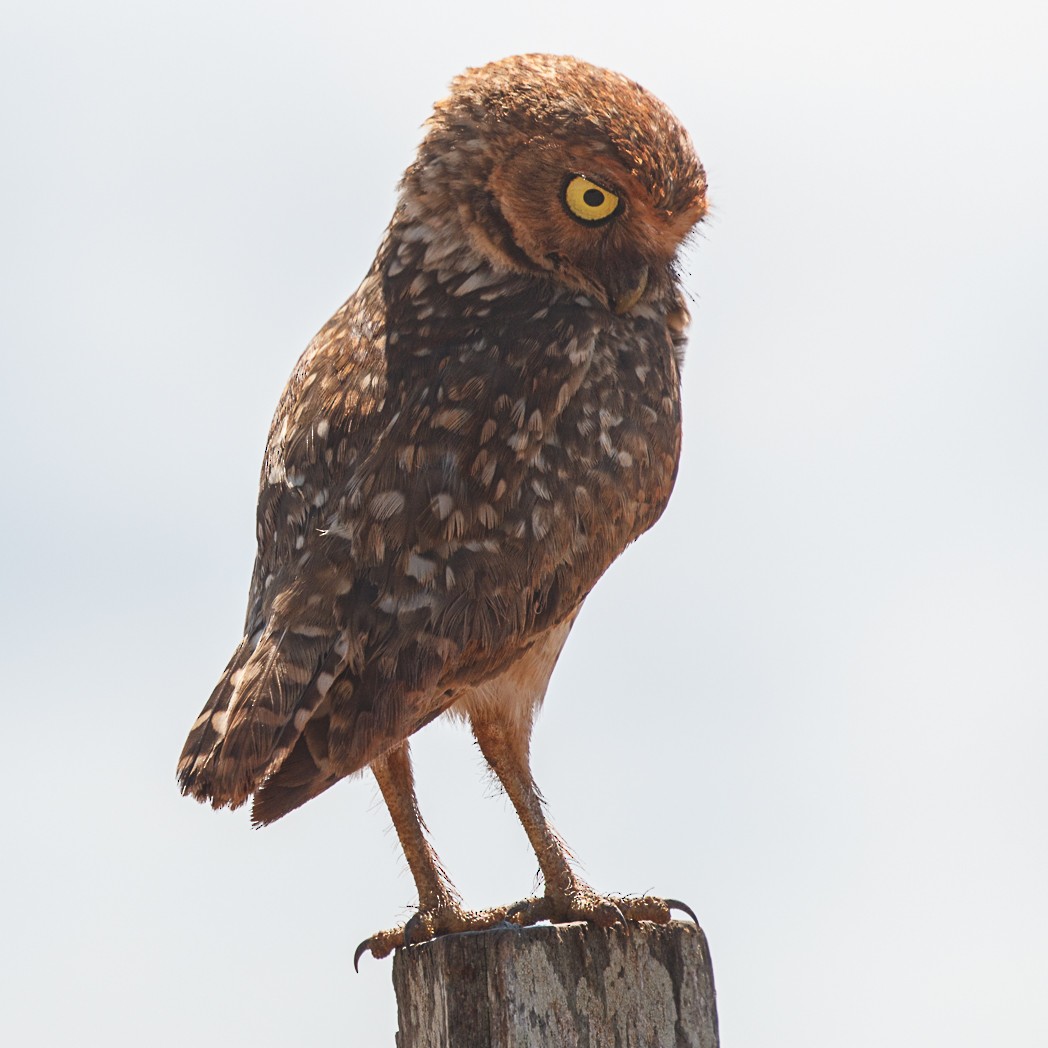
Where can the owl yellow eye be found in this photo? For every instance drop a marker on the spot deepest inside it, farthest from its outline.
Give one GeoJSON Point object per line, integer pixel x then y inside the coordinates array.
{"type": "Point", "coordinates": [589, 202]}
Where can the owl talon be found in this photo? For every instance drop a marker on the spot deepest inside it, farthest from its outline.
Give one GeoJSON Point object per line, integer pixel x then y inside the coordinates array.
{"type": "Point", "coordinates": [620, 917]}
{"type": "Point", "coordinates": [425, 926]}
{"type": "Point", "coordinates": [412, 930]}
{"type": "Point", "coordinates": [359, 952]}
{"type": "Point", "coordinates": [380, 945]}
{"type": "Point", "coordinates": [676, 904]}
{"type": "Point", "coordinates": [530, 911]}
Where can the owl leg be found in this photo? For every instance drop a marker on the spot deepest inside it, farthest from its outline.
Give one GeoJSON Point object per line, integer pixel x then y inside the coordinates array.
{"type": "Point", "coordinates": [396, 780]}
{"type": "Point", "coordinates": [567, 897]}
{"type": "Point", "coordinates": [440, 906]}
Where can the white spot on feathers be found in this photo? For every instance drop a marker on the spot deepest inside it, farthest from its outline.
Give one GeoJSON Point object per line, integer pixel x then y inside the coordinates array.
{"type": "Point", "coordinates": [442, 505]}
{"type": "Point", "coordinates": [386, 504]}
{"type": "Point", "coordinates": [475, 281]}
{"type": "Point", "coordinates": [421, 568]}
{"type": "Point", "coordinates": [397, 605]}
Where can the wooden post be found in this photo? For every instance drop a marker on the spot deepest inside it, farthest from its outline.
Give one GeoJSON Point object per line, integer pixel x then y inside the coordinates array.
{"type": "Point", "coordinates": [561, 986]}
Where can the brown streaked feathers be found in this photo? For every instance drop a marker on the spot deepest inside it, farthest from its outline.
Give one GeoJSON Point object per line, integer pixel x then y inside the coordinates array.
{"type": "Point", "coordinates": [467, 444]}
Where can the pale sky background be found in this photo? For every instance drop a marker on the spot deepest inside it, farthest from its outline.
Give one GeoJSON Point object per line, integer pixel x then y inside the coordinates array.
{"type": "Point", "coordinates": [811, 702]}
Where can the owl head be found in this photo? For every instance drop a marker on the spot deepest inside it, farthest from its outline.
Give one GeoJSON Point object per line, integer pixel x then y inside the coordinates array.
{"type": "Point", "coordinates": [549, 166]}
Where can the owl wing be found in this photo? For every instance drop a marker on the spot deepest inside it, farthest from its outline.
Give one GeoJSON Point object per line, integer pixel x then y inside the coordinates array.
{"type": "Point", "coordinates": [426, 514]}
{"type": "Point", "coordinates": [325, 421]}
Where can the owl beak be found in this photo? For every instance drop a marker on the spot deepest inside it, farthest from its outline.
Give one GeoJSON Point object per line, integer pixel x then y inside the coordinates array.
{"type": "Point", "coordinates": [626, 299]}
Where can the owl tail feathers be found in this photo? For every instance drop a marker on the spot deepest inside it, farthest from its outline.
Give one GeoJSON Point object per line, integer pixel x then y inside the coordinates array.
{"type": "Point", "coordinates": [298, 779]}
{"type": "Point", "coordinates": [208, 731]}
{"type": "Point", "coordinates": [255, 715]}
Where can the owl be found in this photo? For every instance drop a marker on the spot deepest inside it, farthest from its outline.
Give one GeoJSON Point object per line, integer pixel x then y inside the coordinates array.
{"type": "Point", "coordinates": [458, 456]}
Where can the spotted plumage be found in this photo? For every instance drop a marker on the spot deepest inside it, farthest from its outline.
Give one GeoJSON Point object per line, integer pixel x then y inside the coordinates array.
{"type": "Point", "coordinates": [460, 453]}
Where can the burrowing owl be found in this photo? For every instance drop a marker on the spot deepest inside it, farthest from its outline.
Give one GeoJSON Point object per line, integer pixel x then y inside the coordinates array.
{"type": "Point", "coordinates": [460, 453]}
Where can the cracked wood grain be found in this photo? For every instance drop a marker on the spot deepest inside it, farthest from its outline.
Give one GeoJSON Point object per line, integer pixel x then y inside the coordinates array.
{"type": "Point", "coordinates": [569, 986]}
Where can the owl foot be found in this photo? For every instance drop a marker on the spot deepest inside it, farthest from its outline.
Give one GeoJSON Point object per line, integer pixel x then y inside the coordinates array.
{"type": "Point", "coordinates": [426, 925]}
{"type": "Point", "coordinates": [560, 908]}
{"type": "Point", "coordinates": [584, 904]}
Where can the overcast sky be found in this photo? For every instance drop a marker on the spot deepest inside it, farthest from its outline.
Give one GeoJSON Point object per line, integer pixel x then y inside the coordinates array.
{"type": "Point", "coordinates": [811, 702]}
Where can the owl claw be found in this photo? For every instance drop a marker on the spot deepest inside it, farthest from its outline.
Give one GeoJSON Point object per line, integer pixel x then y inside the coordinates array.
{"type": "Point", "coordinates": [414, 925]}
{"type": "Point", "coordinates": [676, 904]}
{"type": "Point", "coordinates": [607, 912]}
{"type": "Point", "coordinates": [426, 925]}
{"type": "Point", "coordinates": [360, 951]}
{"type": "Point", "coordinates": [379, 945]}
{"type": "Point", "coordinates": [530, 910]}
{"type": "Point", "coordinates": [516, 908]}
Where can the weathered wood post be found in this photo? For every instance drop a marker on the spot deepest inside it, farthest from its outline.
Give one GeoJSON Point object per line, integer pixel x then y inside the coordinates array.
{"type": "Point", "coordinates": [562, 986]}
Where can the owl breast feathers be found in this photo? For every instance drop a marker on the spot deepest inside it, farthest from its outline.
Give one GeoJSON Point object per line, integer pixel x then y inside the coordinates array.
{"type": "Point", "coordinates": [473, 437]}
